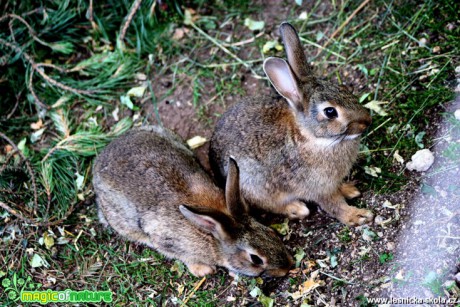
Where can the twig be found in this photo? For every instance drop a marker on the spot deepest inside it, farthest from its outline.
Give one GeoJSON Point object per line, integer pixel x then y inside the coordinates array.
{"type": "Point", "coordinates": [193, 291]}
{"type": "Point", "coordinates": [241, 43]}
{"type": "Point", "coordinates": [15, 106]}
{"type": "Point", "coordinates": [8, 158]}
{"type": "Point", "coordinates": [30, 85]}
{"type": "Point", "coordinates": [36, 67]}
{"type": "Point", "coordinates": [34, 221]}
{"type": "Point", "coordinates": [91, 16]}
{"type": "Point", "coordinates": [215, 42]}
{"type": "Point", "coordinates": [336, 278]}
{"type": "Point", "coordinates": [29, 168]}
{"type": "Point", "coordinates": [347, 21]}
{"type": "Point", "coordinates": [132, 12]}
{"type": "Point", "coordinates": [31, 30]}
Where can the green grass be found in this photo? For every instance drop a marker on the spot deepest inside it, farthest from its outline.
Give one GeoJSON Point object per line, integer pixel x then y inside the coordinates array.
{"type": "Point", "coordinates": [378, 52]}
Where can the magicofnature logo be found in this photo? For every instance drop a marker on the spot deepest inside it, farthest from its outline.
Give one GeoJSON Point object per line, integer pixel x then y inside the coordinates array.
{"type": "Point", "coordinates": [13, 286]}
{"type": "Point", "coordinates": [26, 291]}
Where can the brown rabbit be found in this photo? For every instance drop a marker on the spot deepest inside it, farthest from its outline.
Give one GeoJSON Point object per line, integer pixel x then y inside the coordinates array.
{"type": "Point", "coordinates": [298, 148]}
{"type": "Point", "coordinates": [151, 190]}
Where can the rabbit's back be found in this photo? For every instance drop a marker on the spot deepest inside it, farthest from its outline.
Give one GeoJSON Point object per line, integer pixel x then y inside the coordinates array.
{"type": "Point", "coordinates": [149, 164]}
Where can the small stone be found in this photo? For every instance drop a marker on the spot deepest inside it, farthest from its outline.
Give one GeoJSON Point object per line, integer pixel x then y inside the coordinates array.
{"type": "Point", "coordinates": [379, 220]}
{"type": "Point", "coordinates": [457, 114]}
{"type": "Point", "coordinates": [422, 42]}
{"type": "Point", "coordinates": [390, 246]}
{"type": "Point", "coordinates": [436, 49]}
{"type": "Point", "coordinates": [421, 161]}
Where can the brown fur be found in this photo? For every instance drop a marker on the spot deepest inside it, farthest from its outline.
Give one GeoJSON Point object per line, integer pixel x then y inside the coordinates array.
{"type": "Point", "coordinates": [151, 190]}
{"type": "Point", "coordinates": [288, 151]}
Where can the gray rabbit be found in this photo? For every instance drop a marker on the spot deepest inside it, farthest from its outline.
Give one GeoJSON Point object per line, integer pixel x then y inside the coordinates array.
{"type": "Point", "coordinates": [297, 148]}
{"type": "Point", "coordinates": [151, 190]}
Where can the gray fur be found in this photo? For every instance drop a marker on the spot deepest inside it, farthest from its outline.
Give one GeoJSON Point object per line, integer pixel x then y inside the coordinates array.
{"type": "Point", "coordinates": [151, 190]}
{"type": "Point", "coordinates": [289, 152]}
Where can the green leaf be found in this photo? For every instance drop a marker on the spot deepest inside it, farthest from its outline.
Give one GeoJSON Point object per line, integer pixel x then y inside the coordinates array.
{"type": "Point", "coordinates": [266, 301]}
{"type": "Point", "coordinates": [137, 91]}
{"type": "Point", "coordinates": [418, 139]}
{"type": "Point", "coordinates": [363, 97]}
{"type": "Point", "coordinates": [62, 47]}
{"type": "Point", "coordinates": [79, 181]}
{"type": "Point", "coordinates": [255, 292]}
{"type": "Point", "coordinates": [283, 228]}
{"type": "Point", "coordinates": [22, 147]}
{"type": "Point", "coordinates": [254, 25]}
{"type": "Point", "coordinates": [375, 106]}
{"type": "Point", "coordinates": [125, 100]}
{"type": "Point", "coordinates": [188, 18]}
{"type": "Point", "coordinates": [271, 45]}
{"type": "Point", "coordinates": [333, 260]}
{"type": "Point", "coordinates": [299, 254]}
{"type": "Point", "coordinates": [36, 135]}
{"type": "Point", "coordinates": [37, 261]}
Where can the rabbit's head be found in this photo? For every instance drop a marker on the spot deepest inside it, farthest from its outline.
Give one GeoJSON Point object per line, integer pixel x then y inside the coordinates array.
{"type": "Point", "coordinates": [247, 247]}
{"type": "Point", "coordinates": [321, 108]}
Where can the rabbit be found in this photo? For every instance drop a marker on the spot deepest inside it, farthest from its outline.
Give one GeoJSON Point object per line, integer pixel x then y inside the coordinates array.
{"type": "Point", "coordinates": [150, 189]}
{"type": "Point", "coordinates": [296, 148]}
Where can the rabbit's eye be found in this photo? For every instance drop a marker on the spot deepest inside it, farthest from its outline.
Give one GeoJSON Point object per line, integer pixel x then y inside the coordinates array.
{"type": "Point", "coordinates": [256, 260]}
{"type": "Point", "coordinates": [331, 112]}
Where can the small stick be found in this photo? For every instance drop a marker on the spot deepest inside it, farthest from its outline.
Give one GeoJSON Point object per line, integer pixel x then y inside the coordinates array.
{"type": "Point", "coordinates": [29, 168]}
{"type": "Point", "coordinates": [363, 4]}
{"type": "Point", "coordinates": [241, 43]}
{"type": "Point", "coordinates": [193, 291]}
{"type": "Point", "coordinates": [34, 221]}
{"type": "Point", "coordinates": [215, 42]}
{"type": "Point", "coordinates": [132, 12]}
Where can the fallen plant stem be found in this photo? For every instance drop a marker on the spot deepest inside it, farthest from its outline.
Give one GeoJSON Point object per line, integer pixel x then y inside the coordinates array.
{"type": "Point", "coordinates": [220, 46]}
{"type": "Point", "coordinates": [29, 168]}
{"type": "Point", "coordinates": [347, 21]}
{"type": "Point", "coordinates": [193, 291]}
{"type": "Point", "coordinates": [34, 222]}
{"type": "Point", "coordinates": [134, 7]}
{"type": "Point", "coordinates": [36, 68]}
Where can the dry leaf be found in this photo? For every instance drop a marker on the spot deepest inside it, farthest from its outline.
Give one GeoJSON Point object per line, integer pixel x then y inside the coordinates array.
{"type": "Point", "coordinates": [196, 142]}
{"type": "Point", "coordinates": [376, 106]}
{"type": "Point", "coordinates": [37, 125]}
{"type": "Point", "coordinates": [179, 33]}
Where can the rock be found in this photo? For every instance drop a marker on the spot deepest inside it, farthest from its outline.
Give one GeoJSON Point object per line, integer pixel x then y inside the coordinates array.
{"type": "Point", "coordinates": [421, 161]}
{"type": "Point", "coordinates": [457, 114]}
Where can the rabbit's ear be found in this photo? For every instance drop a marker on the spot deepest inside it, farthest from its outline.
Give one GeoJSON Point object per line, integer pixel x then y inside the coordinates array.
{"type": "Point", "coordinates": [211, 221]}
{"type": "Point", "coordinates": [235, 203]}
{"type": "Point", "coordinates": [284, 81]}
{"type": "Point", "coordinates": [294, 52]}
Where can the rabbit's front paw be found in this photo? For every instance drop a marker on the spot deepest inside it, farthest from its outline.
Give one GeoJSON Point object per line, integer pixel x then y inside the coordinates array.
{"type": "Point", "coordinates": [354, 216]}
{"type": "Point", "coordinates": [200, 270]}
{"type": "Point", "coordinates": [349, 190]}
{"type": "Point", "coordinates": [296, 210]}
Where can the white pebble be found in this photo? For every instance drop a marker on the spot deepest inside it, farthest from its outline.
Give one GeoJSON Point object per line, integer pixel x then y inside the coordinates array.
{"type": "Point", "coordinates": [421, 161]}
{"type": "Point", "coordinates": [457, 114]}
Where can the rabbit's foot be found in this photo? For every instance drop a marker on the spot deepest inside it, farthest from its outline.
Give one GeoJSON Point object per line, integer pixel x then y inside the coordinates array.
{"type": "Point", "coordinates": [349, 190]}
{"type": "Point", "coordinates": [200, 270]}
{"type": "Point", "coordinates": [353, 216]}
{"type": "Point", "coordinates": [296, 210]}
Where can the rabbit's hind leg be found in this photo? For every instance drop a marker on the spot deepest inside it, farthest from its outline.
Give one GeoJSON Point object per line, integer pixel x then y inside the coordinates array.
{"type": "Point", "coordinates": [296, 210]}
{"type": "Point", "coordinates": [337, 207]}
{"type": "Point", "coordinates": [349, 191]}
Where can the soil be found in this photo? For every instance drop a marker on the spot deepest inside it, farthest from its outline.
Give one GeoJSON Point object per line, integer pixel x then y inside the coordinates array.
{"type": "Point", "coordinates": [411, 248]}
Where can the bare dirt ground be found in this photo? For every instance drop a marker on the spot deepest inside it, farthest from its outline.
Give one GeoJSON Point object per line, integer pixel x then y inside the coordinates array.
{"type": "Point", "coordinates": [410, 251]}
